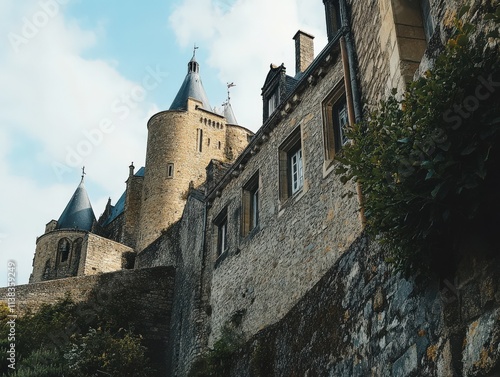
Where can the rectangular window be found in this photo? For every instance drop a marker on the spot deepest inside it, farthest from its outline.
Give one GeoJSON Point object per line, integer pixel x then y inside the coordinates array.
{"type": "Point", "coordinates": [221, 224]}
{"type": "Point", "coordinates": [340, 123]}
{"type": "Point", "coordinates": [170, 170]}
{"type": "Point", "coordinates": [250, 204]}
{"type": "Point", "coordinates": [335, 123]}
{"type": "Point", "coordinates": [297, 174]}
{"type": "Point", "coordinates": [291, 165]}
{"type": "Point", "coordinates": [200, 139]}
{"type": "Point", "coordinates": [273, 102]}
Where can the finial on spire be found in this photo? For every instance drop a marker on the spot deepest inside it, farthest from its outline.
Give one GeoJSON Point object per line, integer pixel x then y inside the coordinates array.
{"type": "Point", "coordinates": [229, 86]}
{"type": "Point", "coordinates": [83, 172]}
{"type": "Point", "coordinates": [194, 50]}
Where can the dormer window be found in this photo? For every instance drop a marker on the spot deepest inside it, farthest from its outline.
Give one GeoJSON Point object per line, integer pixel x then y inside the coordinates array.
{"type": "Point", "coordinates": [333, 21]}
{"type": "Point", "coordinates": [273, 102]}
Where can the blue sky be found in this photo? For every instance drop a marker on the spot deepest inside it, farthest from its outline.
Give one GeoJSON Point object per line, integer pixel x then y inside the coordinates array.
{"type": "Point", "coordinates": [80, 79]}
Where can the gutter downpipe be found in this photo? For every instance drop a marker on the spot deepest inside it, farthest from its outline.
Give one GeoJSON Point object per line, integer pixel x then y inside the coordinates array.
{"type": "Point", "coordinates": [347, 45]}
{"type": "Point", "coordinates": [344, 19]}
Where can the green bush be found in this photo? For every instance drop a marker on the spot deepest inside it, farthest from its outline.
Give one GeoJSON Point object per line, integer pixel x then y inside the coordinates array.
{"type": "Point", "coordinates": [428, 164]}
{"type": "Point", "coordinates": [49, 343]}
{"type": "Point", "coordinates": [99, 352]}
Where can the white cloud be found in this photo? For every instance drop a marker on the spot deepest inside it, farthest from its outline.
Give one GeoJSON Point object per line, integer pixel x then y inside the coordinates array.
{"type": "Point", "coordinates": [59, 111]}
{"type": "Point", "coordinates": [244, 38]}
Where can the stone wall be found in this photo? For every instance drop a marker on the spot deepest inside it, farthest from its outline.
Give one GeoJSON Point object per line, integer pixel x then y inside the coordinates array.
{"type": "Point", "coordinates": [363, 319]}
{"type": "Point", "coordinates": [143, 295]}
{"type": "Point", "coordinates": [236, 140]}
{"type": "Point", "coordinates": [132, 209]}
{"type": "Point", "coordinates": [262, 275]}
{"type": "Point", "coordinates": [47, 262]}
{"type": "Point", "coordinates": [102, 255]}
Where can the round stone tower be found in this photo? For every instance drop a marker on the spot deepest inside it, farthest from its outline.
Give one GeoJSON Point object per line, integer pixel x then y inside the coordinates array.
{"type": "Point", "coordinates": [181, 143]}
{"type": "Point", "coordinates": [59, 250]}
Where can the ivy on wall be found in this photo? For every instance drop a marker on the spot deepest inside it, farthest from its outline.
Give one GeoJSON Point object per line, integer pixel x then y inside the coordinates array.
{"type": "Point", "coordinates": [428, 164]}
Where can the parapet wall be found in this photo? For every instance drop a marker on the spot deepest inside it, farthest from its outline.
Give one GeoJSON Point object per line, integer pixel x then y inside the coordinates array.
{"type": "Point", "coordinates": [143, 295]}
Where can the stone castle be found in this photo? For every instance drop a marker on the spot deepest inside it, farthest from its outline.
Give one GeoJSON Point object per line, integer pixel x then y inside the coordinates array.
{"type": "Point", "coordinates": [256, 231]}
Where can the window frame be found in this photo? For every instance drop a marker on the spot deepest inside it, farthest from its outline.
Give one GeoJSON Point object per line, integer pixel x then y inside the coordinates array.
{"type": "Point", "coordinates": [250, 205]}
{"type": "Point", "coordinates": [170, 170]}
{"type": "Point", "coordinates": [287, 150]}
{"type": "Point", "coordinates": [222, 244]}
{"type": "Point", "coordinates": [273, 101]}
{"type": "Point", "coordinates": [332, 128]}
{"type": "Point", "coordinates": [63, 254]}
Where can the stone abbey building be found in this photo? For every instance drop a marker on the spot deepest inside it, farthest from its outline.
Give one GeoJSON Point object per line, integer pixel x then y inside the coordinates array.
{"type": "Point", "coordinates": [258, 232]}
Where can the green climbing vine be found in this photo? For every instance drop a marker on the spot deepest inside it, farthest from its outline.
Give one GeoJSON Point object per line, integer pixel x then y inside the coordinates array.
{"type": "Point", "coordinates": [428, 164]}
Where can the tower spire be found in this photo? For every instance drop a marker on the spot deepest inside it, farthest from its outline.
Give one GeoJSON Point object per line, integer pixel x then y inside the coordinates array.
{"type": "Point", "coordinates": [228, 110]}
{"type": "Point", "coordinates": [191, 87]}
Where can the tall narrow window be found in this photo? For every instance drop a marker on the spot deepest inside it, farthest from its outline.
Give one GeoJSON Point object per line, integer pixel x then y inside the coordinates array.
{"type": "Point", "coordinates": [335, 123]}
{"type": "Point", "coordinates": [296, 171]}
{"type": "Point", "coordinates": [291, 165]}
{"type": "Point", "coordinates": [170, 170]}
{"type": "Point", "coordinates": [200, 140]}
{"type": "Point", "coordinates": [63, 250]}
{"type": "Point", "coordinates": [273, 102]}
{"type": "Point", "coordinates": [250, 205]}
{"type": "Point", "coordinates": [221, 224]}
{"type": "Point", "coordinates": [340, 123]}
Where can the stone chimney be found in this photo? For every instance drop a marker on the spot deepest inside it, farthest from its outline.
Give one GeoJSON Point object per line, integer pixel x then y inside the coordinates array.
{"type": "Point", "coordinates": [304, 51]}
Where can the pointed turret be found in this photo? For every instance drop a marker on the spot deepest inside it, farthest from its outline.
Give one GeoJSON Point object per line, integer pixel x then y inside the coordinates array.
{"type": "Point", "coordinates": [78, 212]}
{"type": "Point", "coordinates": [192, 87]}
{"type": "Point", "coordinates": [228, 109]}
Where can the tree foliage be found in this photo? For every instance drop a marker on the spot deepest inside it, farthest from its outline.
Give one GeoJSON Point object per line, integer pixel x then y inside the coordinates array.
{"type": "Point", "coordinates": [60, 340]}
{"type": "Point", "coordinates": [428, 163]}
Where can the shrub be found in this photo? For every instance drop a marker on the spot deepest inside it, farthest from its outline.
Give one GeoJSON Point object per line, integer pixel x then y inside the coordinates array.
{"type": "Point", "coordinates": [428, 164]}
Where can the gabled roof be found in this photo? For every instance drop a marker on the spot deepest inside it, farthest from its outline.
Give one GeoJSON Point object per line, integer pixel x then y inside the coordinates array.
{"type": "Point", "coordinates": [78, 213]}
{"type": "Point", "coordinates": [192, 87]}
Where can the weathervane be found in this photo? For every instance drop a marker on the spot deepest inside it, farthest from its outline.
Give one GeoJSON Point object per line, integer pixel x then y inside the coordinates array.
{"type": "Point", "coordinates": [194, 49]}
{"type": "Point", "coordinates": [229, 85]}
{"type": "Point", "coordinates": [83, 171]}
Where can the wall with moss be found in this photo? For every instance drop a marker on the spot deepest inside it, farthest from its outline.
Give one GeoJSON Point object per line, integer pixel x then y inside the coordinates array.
{"type": "Point", "coordinates": [361, 319]}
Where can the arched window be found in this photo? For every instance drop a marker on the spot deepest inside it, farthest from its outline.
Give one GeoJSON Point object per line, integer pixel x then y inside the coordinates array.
{"type": "Point", "coordinates": [75, 257]}
{"type": "Point", "coordinates": [63, 250]}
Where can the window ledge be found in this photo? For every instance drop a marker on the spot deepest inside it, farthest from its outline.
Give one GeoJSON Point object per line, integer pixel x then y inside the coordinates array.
{"type": "Point", "coordinates": [221, 259]}
{"type": "Point", "coordinates": [291, 200]}
{"type": "Point", "coordinates": [251, 234]}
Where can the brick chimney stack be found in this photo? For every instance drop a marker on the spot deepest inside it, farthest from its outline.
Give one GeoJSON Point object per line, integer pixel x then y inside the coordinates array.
{"type": "Point", "coordinates": [304, 51]}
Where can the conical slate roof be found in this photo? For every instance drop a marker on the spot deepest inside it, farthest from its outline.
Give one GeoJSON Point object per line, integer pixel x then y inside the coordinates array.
{"type": "Point", "coordinates": [78, 212]}
{"type": "Point", "coordinates": [191, 87]}
{"type": "Point", "coordinates": [229, 114]}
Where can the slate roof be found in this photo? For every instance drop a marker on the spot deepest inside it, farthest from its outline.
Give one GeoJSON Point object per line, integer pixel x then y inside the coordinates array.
{"type": "Point", "coordinates": [119, 207]}
{"type": "Point", "coordinates": [191, 87]}
{"type": "Point", "coordinates": [78, 213]}
{"type": "Point", "coordinates": [229, 114]}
